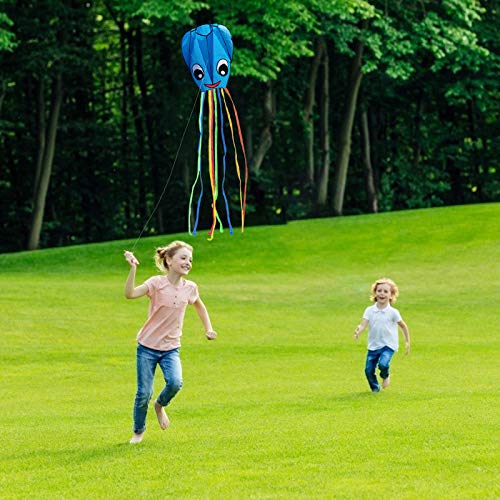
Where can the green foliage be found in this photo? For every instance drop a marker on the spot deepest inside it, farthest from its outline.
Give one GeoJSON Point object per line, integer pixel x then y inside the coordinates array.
{"type": "Point", "coordinates": [7, 38]}
{"type": "Point", "coordinates": [158, 14]}
{"type": "Point", "coordinates": [413, 186]}
{"type": "Point", "coordinates": [391, 48]}
{"type": "Point", "coordinates": [267, 34]}
{"type": "Point", "coordinates": [442, 34]}
{"type": "Point", "coordinates": [278, 406]}
{"type": "Point", "coordinates": [180, 11]}
{"type": "Point", "coordinates": [452, 46]}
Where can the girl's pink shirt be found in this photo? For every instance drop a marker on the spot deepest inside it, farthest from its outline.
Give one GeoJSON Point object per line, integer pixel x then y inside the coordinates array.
{"type": "Point", "coordinates": [163, 328]}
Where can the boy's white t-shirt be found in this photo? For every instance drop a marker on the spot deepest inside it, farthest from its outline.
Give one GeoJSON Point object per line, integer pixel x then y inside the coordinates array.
{"type": "Point", "coordinates": [383, 327]}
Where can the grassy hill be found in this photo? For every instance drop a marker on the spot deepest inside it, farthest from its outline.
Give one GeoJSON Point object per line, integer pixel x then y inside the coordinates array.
{"type": "Point", "coordinates": [277, 406]}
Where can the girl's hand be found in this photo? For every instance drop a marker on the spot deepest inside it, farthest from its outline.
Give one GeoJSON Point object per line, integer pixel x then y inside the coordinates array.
{"type": "Point", "coordinates": [407, 348]}
{"type": "Point", "coordinates": [211, 335]}
{"type": "Point", "coordinates": [130, 258]}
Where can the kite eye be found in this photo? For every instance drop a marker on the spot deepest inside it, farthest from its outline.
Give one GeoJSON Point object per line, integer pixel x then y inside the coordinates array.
{"type": "Point", "coordinates": [223, 67]}
{"type": "Point", "coordinates": [198, 71]}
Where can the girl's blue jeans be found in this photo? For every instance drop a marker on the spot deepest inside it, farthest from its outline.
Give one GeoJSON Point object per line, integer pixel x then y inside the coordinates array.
{"type": "Point", "coordinates": [382, 357]}
{"type": "Point", "coordinates": [170, 364]}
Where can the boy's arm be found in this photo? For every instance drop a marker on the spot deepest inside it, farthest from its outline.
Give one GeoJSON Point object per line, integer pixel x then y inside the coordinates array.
{"type": "Point", "coordinates": [205, 319]}
{"type": "Point", "coordinates": [360, 328]}
{"type": "Point", "coordinates": [406, 333]}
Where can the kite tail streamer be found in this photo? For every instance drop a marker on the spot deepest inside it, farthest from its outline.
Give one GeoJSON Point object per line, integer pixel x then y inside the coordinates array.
{"type": "Point", "coordinates": [224, 162]}
{"type": "Point", "coordinates": [235, 150]}
{"type": "Point", "coordinates": [244, 205]}
{"type": "Point", "coordinates": [216, 155]}
{"type": "Point", "coordinates": [211, 161]}
{"type": "Point", "coordinates": [198, 172]}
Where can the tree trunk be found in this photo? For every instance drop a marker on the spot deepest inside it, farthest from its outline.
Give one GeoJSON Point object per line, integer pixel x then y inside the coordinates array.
{"type": "Point", "coordinates": [346, 131]}
{"type": "Point", "coordinates": [266, 138]}
{"type": "Point", "coordinates": [325, 132]}
{"type": "Point", "coordinates": [42, 131]}
{"type": "Point", "coordinates": [309, 108]}
{"type": "Point", "coordinates": [46, 167]}
{"type": "Point", "coordinates": [370, 181]}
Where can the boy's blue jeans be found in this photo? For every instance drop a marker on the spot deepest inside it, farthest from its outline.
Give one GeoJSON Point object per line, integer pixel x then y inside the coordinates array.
{"type": "Point", "coordinates": [170, 364]}
{"type": "Point", "coordinates": [382, 357]}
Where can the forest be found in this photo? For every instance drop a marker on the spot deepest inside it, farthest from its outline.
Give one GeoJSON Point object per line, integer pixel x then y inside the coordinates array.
{"type": "Point", "coordinates": [346, 107]}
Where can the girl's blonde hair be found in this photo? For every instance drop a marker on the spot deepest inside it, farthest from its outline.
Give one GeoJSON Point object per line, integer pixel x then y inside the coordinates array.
{"type": "Point", "coordinates": [385, 281]}
{"type": "Point", "coordinates": [169, 251]}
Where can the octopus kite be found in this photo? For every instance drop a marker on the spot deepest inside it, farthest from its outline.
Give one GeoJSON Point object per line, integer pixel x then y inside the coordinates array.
{"type": "Point", "coordinates": [208, 52]}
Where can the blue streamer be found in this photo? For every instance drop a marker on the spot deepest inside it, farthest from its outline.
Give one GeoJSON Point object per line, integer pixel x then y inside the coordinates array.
{"type": "Point", "coordinates": [224, 161]}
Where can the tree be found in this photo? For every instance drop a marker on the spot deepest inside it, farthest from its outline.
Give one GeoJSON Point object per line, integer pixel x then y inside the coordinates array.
{"type": "Point", "coordinates": [46, 151]}
{"type": "Point", "coordinates": [309, 102]}
{"type": "Point", "coordinates": [344, 139]}
{"type": "Point", "coordinates": [39, 52]}
{"type": "Point", "coordinates": [399, 41]}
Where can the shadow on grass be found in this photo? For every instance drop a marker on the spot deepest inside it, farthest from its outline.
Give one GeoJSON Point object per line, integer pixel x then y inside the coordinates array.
{"type": "Point", "coordinates": [78, 455]}
{"type": "Point", "coordinates": [353, 396]}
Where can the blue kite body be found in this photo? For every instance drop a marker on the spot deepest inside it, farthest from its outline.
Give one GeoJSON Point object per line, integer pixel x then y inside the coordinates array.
{"type": "Point", "coordinates": [208, 52]}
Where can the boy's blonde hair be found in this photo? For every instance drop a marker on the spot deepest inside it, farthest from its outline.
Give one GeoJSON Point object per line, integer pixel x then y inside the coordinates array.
{"type": "Point", "coordinates": [385, 281]}
{"type": "Point", "coordinates": [169, 251]}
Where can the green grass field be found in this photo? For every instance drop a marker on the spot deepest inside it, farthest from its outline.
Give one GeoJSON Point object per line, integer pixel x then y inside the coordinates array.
{"type": "Point", "coordinates": [278, 406]}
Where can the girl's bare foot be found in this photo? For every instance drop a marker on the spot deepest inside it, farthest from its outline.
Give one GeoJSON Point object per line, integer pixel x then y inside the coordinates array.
{"type": "Point", "coordinates": [136, 438]}
{"type": "Point", "coordinates": [162, 416]}
{"type": "Point", "coordinates": [386, 382]}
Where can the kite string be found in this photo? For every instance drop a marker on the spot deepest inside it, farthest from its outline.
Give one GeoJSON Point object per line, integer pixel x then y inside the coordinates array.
{"type": "Point", "coordinates": [169, 176]}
